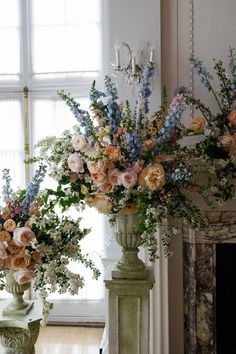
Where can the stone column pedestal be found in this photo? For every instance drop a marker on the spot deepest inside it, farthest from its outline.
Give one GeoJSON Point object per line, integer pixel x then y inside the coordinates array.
{"type": "Point", "coordinates": [18, 334]}
{"type": "Point", "coordinates": [129, 315]}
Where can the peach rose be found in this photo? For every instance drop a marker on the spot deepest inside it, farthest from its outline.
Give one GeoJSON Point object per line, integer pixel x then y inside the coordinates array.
{"type": "Point", "coordinates": [21, 260]}
{"type": "Point", "coordinates": [95, 166]}
{"type": "Point", "coordinates": [113, 176]}
{"type": "Point", "coordinates": [152, 177]}
{"type": "Point", "coordinates": [79, 143]}
{"type": "Point", "coordinates": [103, 203]}
{"type": "Point", "coordinates": [226, 140]}
{"type": "Point", "coordinates": [232, 117]}
{"type": "Point", "coordinates": [7, 261]}
{"type": "Point", "coordinates": [197, 125]}
{"type": "Point", "coordinates": [106, 187]}
{"type": "Point", "coordinates": [22, 236]}
{"type": "Point", "coordinates": [127, 179]}
{"type": "Point", "coordinates": [13, 248]}
{"type": "Point", "coordinates": [75, 163]}
{"type": "Point", "coordinates": [34, 208]}
{"type": "Point", "coordinates": [3, 252]}
{"type": "Point", "coordinates": [89, 200]}
{"type": "Point", "coordinates": [5, 236]}
{"type": "Point", "coordinates": [35, 256]}
{"type": "Point", "coordinates": [112, 152]}
{"type": "Point", "coordinates": [9, 225]}
{"type": "Point", "coordinates": [98, 178]}
{"type": "Point", "coordinates": [23, 276]}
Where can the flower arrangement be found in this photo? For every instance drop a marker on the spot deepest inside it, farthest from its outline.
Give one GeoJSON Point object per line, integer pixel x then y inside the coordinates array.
{"type": "Point", "coordinates": [37, 245]}
{"type": "Point", "coordinates": [218, 150]}
{"type": "Point", "coordinates": [117, 161]}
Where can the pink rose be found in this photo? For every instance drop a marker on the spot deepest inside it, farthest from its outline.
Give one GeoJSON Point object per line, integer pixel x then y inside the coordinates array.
{"type": "Point", "coordinates": [127, 179]}
{"type": "Point", "coordinates": [113, 176]}
{"type": "Point", "coordinates": [95, 166]}
{"type": "Point", "coordinates": [232, 117]}
{"type": "Point", "coordinates": [23, 276]}
{"type": "Point", "coordinates": [79, 143]}
{"type": "Point", "coordinates": [226, 140]}
{"type": "Point", "coordinates": [103, 203]}
{"type": "Point", "coordinates": [106, 187]}
{"type": "Point", "coordinates": [22, 236]}
{"type": "Point", "coordinates": [75, 163]}
{"type": "Point", "coordinates": [5, 236]}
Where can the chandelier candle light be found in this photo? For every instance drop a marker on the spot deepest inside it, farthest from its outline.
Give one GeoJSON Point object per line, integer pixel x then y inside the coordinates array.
{"type": "Point", "coordinates": [132, 71]}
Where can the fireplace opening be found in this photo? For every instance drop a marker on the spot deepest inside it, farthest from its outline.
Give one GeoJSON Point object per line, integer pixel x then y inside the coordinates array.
{"type": "Point", "coordinates": [226, 298]}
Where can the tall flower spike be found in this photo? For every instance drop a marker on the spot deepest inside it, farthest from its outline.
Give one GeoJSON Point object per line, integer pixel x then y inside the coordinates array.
{"type": "Point", "coordinates": [32, 189]}
{"type": "Point", "coordinates": [232, 68]}
{"type": "Point", "coordinates": [113, 110]}
{"type": "Point", "coordinates": [6, 189]}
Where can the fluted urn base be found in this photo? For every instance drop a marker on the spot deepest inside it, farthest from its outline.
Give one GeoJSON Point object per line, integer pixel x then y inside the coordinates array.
{"type": "Point", "coordinates": [17, 305]}
{"type": "Point", "coordinates": [129, 266]}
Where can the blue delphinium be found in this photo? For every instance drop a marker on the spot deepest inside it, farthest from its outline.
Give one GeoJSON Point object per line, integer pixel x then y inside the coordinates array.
{"type": "Point", "coordinates": [134, 145]}
{"type": "Point", "coordinates": [7, 191]}
{"type": "Point", "coordinates": [144, 88]}
{"type": "Point", "coordinates": [32, 189]}
{"type": "Point", "coordinates": [202, 71]}
{"type": "Point", "coordinates": [173, 117]}
{"type": "Point", "coordinates": [82, 116]}
{"type": "Point", "coordinates": [113, 109]}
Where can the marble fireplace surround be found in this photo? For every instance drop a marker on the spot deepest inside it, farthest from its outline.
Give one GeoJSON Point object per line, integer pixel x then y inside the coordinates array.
{"type": "Point", "coordinates": [199, 255]}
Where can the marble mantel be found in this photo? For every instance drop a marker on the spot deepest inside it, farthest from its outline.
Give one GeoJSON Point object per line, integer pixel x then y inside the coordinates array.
{"type": "Point", "coordinates": [199, 250]}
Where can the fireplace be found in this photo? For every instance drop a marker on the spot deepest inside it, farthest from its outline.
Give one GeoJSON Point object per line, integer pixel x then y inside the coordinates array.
{"type": "Point", "coordinates": [203, 259]}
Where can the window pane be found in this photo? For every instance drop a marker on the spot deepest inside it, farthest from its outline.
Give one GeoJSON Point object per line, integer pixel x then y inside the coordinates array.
{"type": "Point", "coordinates": [66, 36]}
{"type": "Point", "coordinates": [12, 141]}
{"type": "Point", "coordinates": [9, 39]}
{"type": "Point", "coordinates": [55, 12]}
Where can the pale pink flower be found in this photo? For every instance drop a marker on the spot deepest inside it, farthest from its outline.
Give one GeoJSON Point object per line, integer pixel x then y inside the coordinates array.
{"type": "Point", "coordinates": [95, 166]}
{"type": "Point", "coordinates": [22, 236]}
{"type": "Point", "coordinates": [23, 276]}
{"type": "Point", "coordinates": [113, 176]}
{"type": "Point", "coordinates": [152, 177]}
{"type": "Point", "coordinates": [75, 163]}
{"type": "Point", "coordinates": [79, 143]}
{"type": "Point", "coordinates": [128, 179]}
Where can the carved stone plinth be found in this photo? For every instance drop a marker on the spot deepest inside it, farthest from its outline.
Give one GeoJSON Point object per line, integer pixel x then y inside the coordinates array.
{"type": "Point", "coordinates": [18, 334]}
{"type": "Point", "coordinates": [129, 315]}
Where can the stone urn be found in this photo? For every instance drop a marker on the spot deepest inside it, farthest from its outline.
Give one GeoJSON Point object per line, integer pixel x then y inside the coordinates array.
{"type": "Point", "coordinates": [129, 266]}
{"type": "Point", "coordinates": [16, 306]}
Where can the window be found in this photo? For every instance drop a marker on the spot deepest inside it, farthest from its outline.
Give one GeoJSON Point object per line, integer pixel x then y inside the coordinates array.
{"type": "Point", "coordinates": [46, 46]}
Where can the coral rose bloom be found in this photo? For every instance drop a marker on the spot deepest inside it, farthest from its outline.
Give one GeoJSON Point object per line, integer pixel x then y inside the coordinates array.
{"type": "Point", "coordinates": [98, 178]}
{"type": "Point", "coordinates": [152, 177]}
{"type": "Point", "coordinates": [103, 203]}
{"type": "Point", "coordinates": [112, 152]}
{"type": "Point", "coordinates": [75, 163]}
{"type": "Point", "coordinates": [197, 125]}
{"type": "Point", "coordinates": [226, 140]}
{"type": "Point", "coordinates": [22, 236]}
{"type": "Point", "coordinates": [21, 260]}
{"type": "Point", "coordinates": [9, 225]}
{"type": "Point", "coordinates": [79, 143]}
{"type": "Point", "coordinates": [232, 117]}
{"type": "Point", "coordinates": [5, 236]}
{"type": "Point", "coordinates": [23, 276]}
